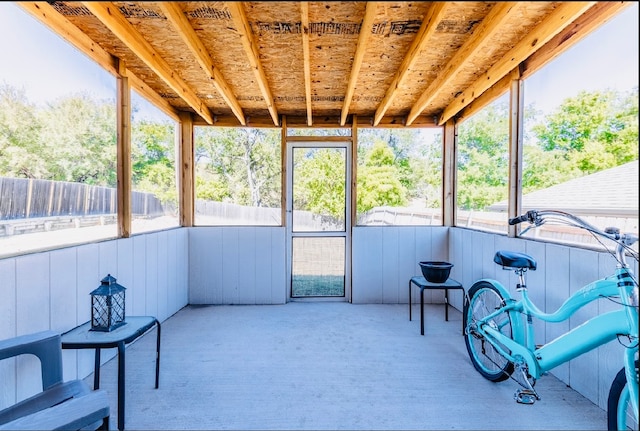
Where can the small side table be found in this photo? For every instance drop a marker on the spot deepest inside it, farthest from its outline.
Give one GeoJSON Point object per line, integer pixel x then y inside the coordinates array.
{"type": "Point", "coordinates": [82, 337]}
{"type": "Point", "coordinates": [423, 284]}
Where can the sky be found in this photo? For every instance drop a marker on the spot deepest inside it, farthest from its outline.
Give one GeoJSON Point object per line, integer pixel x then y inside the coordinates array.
{"type": "Point", "coordinates": [47, 67]}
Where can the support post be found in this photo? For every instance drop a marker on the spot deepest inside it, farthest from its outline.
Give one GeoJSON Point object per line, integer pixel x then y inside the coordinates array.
{"type": "Point", "coordinates": [186, 177]}
{"type": "Point", "coordinates": [516, 133]}
{"type": "Point", "coordinates": [123, 125]}
{"type": "Point", "coordinates": [449, 168]}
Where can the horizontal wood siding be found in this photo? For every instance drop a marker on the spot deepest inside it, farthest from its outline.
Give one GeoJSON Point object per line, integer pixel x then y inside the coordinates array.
{"type": "Point", "coordinates": [50, 290]}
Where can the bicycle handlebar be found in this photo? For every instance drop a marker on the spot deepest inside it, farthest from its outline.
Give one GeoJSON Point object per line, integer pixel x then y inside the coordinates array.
{"type": "Point", "coordinates": [539, 217]}
{"type": "Point", "coordinates": [529, 216]}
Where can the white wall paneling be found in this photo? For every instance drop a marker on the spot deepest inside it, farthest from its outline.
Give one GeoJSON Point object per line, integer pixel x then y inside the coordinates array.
{"type": "Point", "coordinates": [385, 259]}
{"type": "Point", "coordinates": [237, 265]}
{"type": "Point", "coordinates": [163, 271]}
{"type": "Point", "coordinates": [50, 290]}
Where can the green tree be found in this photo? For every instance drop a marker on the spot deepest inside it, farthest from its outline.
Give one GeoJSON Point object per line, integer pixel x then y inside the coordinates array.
{"type": "Point", "coordinates": [585, 134]}
{"type": "Point", "coordinates": [78, 140]}
{"type": "Point", "coordinates": [379, 180]}
{"type": "Point", "coordinates": [153, 160]}
{"type": "Point", "coordinates": [20, 153]}
{"type": "Point", "coordinates": [320, 181]}
{"type": "Point", "coordinates": [483, 163]}
{"type": "Point", "coordinates": [593, 130]}
{"type": "Point", "coordinates": [239, 164]}
{"type": "Point", "coordinates": [403, 144]}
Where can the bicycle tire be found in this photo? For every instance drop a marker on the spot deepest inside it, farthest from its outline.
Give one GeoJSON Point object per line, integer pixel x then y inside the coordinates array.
{"type": "Point", "coordinates": [619, 412]}
{"type": "Point", "coordinates": [484, 299]}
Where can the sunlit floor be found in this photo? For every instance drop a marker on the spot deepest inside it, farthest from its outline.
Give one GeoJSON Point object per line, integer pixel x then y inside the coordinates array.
{"type": "Point", "coordinates": [326, 366]}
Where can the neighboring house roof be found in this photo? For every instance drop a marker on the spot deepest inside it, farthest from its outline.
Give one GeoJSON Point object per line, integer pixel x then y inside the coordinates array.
{"type": "Point", "coordinates": [610, 192]}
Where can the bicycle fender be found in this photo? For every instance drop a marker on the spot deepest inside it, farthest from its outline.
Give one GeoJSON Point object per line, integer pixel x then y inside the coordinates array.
{"type": "Point", "coordinates": [517, 326]}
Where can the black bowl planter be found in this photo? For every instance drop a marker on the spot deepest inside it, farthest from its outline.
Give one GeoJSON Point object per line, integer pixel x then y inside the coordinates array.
{"type": "Point", "coordinates": [436, 272]}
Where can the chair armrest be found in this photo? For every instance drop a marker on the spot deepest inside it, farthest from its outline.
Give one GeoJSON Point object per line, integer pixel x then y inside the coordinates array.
{"type": "Point", "coordinates": [43, 400]}
{"type": "Point", "coordinates": [46, 345]}
{"type": "Point", "coordinates": [75, 413]}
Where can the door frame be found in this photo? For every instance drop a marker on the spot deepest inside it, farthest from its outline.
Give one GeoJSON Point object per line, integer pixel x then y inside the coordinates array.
{"type": "Point", "coordinates": [345, 142]}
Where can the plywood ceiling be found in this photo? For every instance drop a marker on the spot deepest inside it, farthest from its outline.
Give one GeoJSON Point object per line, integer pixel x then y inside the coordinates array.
{"type": "Point", "coordinates": [403, 64]}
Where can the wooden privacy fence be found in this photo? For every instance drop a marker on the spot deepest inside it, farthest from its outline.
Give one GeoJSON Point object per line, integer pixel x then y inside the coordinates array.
{"type": "Point", "coordinates": [25, 200]}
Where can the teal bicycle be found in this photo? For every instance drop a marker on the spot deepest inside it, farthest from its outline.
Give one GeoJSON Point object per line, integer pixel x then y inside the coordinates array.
{"type": "Point", "coordinates": [499, 332]}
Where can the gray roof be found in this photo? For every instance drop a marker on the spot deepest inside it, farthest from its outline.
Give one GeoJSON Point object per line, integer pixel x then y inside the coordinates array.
{"type": "Point", "coordinates": [610, 192]}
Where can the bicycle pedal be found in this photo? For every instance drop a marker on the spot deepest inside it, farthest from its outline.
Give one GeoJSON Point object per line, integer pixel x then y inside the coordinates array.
{"type": "Point", "coordinates": [525, 396]}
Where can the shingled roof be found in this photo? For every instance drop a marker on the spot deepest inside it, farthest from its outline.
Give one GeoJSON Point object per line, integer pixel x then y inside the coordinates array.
{"type": "Point", "coordinates": [612, 192]}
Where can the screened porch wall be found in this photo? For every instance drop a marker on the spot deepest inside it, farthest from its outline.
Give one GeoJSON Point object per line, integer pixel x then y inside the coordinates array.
{"type": "Point", "coordinates": [164, 271]}
{"type": "Point", "coordinates": [247, 265]}
{"type": "Point", "coordinates": [50, 290]}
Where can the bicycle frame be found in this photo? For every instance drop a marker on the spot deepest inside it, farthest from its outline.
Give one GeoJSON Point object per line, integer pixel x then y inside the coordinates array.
{"type": "Point", "coordinates": [599, 330]}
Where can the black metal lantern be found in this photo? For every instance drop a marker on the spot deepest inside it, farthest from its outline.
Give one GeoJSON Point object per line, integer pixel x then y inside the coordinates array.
{"type": "Point", "coordinates": [107, 305]}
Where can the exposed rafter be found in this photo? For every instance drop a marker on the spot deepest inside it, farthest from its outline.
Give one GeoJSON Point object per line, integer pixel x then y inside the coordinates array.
{"type": "Point", "coordinates": [304, 14]}
{"type": "Point", "coordinates": [481, 36]}
{"type": "Point", "coordinates": [572, 34]}
{"type": "Point", "coordinates": [427, 29]}
{"type": "Point", "coordinates": [184, 29]}
{"type": "Point", "coordinates": [596, 16]}
{"type": "Point", "coordinates": [552, 25]}
{"type": "Point", "coordinates": [46, 14]}
{"type": "Point", "coordinates": [363, 39]}
{"type": "Point", "coordinates": [251, 49]}
{"type": "Point", "coordinates": [342, 53]}
{"type": "Point", "coordinates": [109, 14]}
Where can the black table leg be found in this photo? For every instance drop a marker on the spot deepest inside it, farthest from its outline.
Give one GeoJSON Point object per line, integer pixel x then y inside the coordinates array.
{"type": "Point", "coordinates": [158, 355]}
{"type": "Point", "coordinates": [446, 305]}
{"type": "Point", "coordinates": [96, 370]}
{"type": "Point", "coordinates": [121, 374]}
{"type": "Point", "coordinates": [410, 300]}
{"type": "Point", "coordinates": [421, 311]}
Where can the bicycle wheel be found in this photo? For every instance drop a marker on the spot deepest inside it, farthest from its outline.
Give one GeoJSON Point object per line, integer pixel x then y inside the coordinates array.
{"type": "Point", "coordinates": [620, 414]}
{"type": "Point", "coordinates": [484, 299]}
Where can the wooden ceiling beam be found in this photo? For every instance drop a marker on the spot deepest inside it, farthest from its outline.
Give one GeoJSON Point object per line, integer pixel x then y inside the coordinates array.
{"type": "Point", "coordinates": [51, 18]}
{"type": "Point", "coordinates": [47, 15]}
{"type": "Point", "coordinates": [480, 38]}
{"type": "Point", "coordinates": [496, 91]}
{"type": "Point", "coordinates": [321, 122]}
{"type": "Point", "coordinates": [591, 20]}
{"type": "Point", "coordinates": [427, 29]}
{"type": "Point", "coordinates": [363, 41]}
{"type": "Point", "coordinates": [183, 27]}
{"type": "Point", "coordinates": [251, 49]}
{"type": "Point", "coordinates": [553, 24]}
{"type": "Point", "coordinates": [304, 13]}
{"type": "Point", "coordinates": [109, 14]}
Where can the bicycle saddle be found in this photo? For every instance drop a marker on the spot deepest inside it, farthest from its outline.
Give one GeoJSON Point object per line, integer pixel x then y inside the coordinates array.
{"type": "Point", "coordinates": [513, 259]}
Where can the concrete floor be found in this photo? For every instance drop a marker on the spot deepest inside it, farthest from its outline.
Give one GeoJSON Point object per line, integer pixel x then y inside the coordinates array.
{"type": "Point", "coordinates": [326, 366]}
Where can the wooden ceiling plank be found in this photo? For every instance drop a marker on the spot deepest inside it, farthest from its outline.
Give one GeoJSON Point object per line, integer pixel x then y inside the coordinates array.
{"type": "Point", "coordinates": [251, 49]}
{"type": "Point", "coordinates": [51, 18]}
{"type": "Point", "coordinates": [184, 29]}
{"type": "Point", "coordinates": [363, 40]}
{"type": "Point", "coordinates": [304, 12]}
{"type": "Point", "coordinates": [427, 29]}
{"type": "Point", "coordinates": [559, 19]}
{"type": "Point", "coordinates": [481, 36]}
{"type": "Point", "coordinates": [111, 17]}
